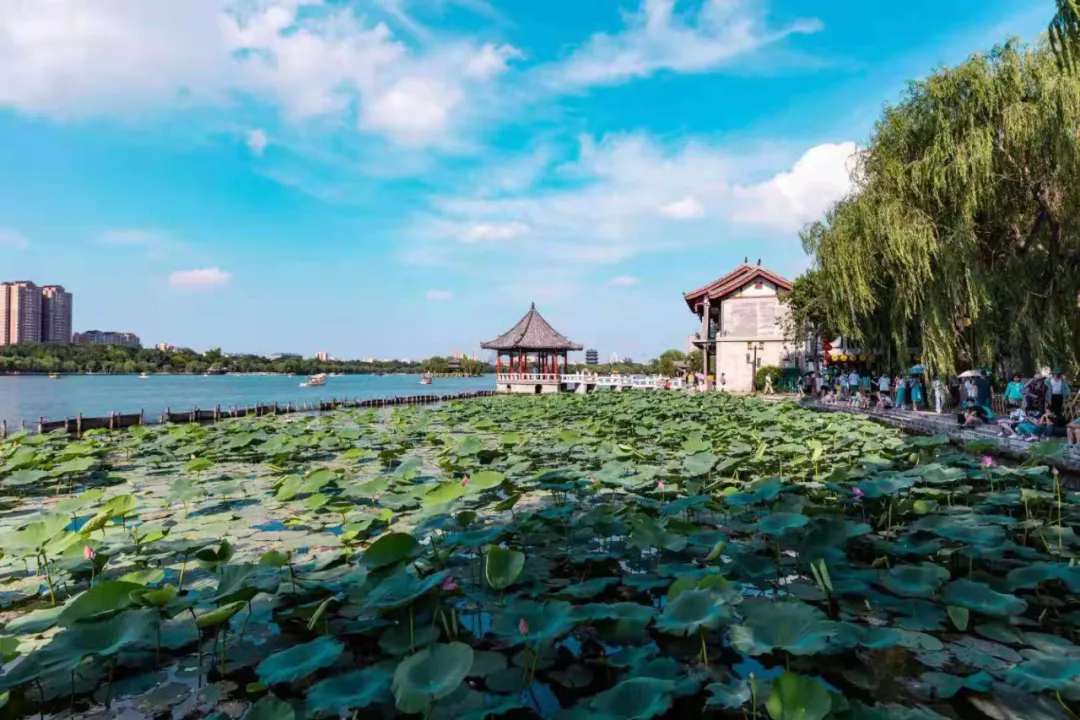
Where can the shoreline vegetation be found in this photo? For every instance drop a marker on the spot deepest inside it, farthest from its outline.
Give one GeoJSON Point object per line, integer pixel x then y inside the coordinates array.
{"type": "Point", "coordinates": [32, 359]}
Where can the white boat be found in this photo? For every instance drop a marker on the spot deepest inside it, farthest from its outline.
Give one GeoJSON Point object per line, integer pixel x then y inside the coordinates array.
{"type": "Point", "coordinates": [426, 380]}
{"type": "Point", "coordinates": [315, 380]}
{"type": "Point", "coordinates": [54, 376]}
{"type": "Point", "coordinates": [144, 376]}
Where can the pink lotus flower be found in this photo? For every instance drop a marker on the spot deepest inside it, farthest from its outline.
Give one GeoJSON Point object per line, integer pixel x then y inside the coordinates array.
{"type": "Point", "coordinates": [592, 479]}
{"type": "Point", "coordinates": [856, 492]}
{"type": "Point", "coordinates": [448, 585]}
{"type": "Point", "coordinates": [88, 552]}
{"type": "Point", "coordinates": [1054, 472]}
{"type": "Point", "coordinates": [465, 482]}
{"type": "Point", "coordinates": [523, 627]}
{"type": "Point", "coordinates": [988, 462]}
{"type": "Point", "coordinates": [661, 485]}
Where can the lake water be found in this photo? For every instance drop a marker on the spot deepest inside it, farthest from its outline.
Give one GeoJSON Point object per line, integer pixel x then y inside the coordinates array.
{"type": "Point", "coordinates": [26, 397]}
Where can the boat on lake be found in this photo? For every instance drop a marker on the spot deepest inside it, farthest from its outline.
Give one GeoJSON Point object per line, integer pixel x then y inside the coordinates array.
{"type": "Point", "coordinates": [144, 376]}
{"type": "Point", "coordinates": [54, 376]}
{"type": "Point", "coordinates": [426, 379]}
{"type": "Point", "coordinates": [315, 380]}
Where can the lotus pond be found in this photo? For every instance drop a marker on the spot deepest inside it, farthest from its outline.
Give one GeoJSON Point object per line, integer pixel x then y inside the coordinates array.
{"type": "Point", "coordinates": [611, 556]}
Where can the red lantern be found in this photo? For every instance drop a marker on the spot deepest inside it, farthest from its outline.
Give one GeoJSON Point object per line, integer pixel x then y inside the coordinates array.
{"type": "Point", "coordinates": [826, 346]}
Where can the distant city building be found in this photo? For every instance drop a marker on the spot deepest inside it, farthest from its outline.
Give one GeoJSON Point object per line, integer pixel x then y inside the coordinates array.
{"type": "Point", "coordinates": [20, 312]}
{"type": "Point", "coordinates": [284, 356]}
{"type": "Point", "coordinates": [592, 357]}
{"type": "Point", "coordinates": [322, 356]}
{"type": "Point", "coordinates": [107, 337]}
{"type": "Point", "coordinates": [165, 347]}
{"type": "Point", "coordinates": [55, 315]}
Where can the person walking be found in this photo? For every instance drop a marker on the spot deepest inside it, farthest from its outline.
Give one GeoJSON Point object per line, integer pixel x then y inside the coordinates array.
{"type": "Point", "coordinates": [901, 392]}
{"type": "Point", "coordinates": [883, 384]}
{"type": "Point", "coordinates": [939, 394]}
{"type": "Point", "coordinates": [768, 385]}
{"type": "Point", "coordinates": [916, 392]}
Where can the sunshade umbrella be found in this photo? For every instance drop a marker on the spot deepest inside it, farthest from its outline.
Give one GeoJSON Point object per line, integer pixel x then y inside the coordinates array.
{"type": "Point", "coordinates": [971, 374]}
{"type": "Point", "coordinates": [917, 370]}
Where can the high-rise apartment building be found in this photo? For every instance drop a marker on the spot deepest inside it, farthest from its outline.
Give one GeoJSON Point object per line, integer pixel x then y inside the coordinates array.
{"type": "Point", "coordinates": [20, 312]}
{"type": "Point", "coordinates": [55, 315]}
{"type": "Point", "coordinates": [107, 337]}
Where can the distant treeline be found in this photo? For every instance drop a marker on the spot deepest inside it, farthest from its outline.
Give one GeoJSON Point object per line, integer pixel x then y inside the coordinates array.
{"type": "Point", "coordinates": [116, 359]}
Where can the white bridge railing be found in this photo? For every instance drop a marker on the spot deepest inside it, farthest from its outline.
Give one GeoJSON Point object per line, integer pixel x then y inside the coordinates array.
{"type": "Point", "coordinates": [642, 382]}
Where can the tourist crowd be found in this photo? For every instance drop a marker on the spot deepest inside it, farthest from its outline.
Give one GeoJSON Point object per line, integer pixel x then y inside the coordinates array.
{"type": "Point", "coordinates": [1032, 409]}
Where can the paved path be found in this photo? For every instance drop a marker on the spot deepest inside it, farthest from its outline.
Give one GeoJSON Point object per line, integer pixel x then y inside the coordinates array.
{"type": "Point", "coordinates": [929, 423]}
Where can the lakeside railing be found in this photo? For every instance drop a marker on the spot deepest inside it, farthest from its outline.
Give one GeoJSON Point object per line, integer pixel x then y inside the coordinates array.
{"type": "Point", "coordinates": [113, 421]}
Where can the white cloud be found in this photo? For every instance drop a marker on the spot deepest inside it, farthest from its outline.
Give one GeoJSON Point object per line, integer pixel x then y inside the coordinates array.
{"type": "Point", "coordinates": [492, 60]}
{"type": "Point", "coordinates": [257, 142]}
{"type": "Point", "coordinates": [71, 58]}
{"type": "Point", "coordinates": [202, 279]}
{"type": "Point", "coordinates": [791, 199]}
{"type": "Point", "coordinates": [623, 281]}
{"type": "Point", "coordinates": [493, 231]}
{"type": "Point", "coordinates": [13, 240]}
{"type": "Point", "coordinates": [613, 201]}
{"type": "Point", "coordinates": [440, 295]}
{"type": "Point", "coordinates": [688, 208]}
{"type": "Point", "coordinates": [657, 38]}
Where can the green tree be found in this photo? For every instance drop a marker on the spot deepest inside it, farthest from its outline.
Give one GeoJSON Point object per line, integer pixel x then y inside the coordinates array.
{"type": "Point", "coordinates": [666, 362]}
{"type": "Point", "coordinates": [961, 237]}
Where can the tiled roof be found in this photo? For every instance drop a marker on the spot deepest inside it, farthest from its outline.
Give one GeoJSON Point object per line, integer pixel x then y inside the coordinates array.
{"type": "Point", "coordinates": [531, 333]}
{"type": "Point", "coordinates": [735, 279]}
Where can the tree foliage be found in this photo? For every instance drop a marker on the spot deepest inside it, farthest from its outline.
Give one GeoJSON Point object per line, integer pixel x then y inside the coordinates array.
{"type": "Point", "coordinates": [1064, 33]}
{"type": "Point", "coordinates": [965, 207]}
{"type": "Point", "coordinates": [118, 359]}
{"type": "Point", "coordinates": [808, 313]}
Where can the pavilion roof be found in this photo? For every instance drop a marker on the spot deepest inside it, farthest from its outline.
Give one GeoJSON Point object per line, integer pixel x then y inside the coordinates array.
{"type": "Point", "coordinates": [737, 278]}
{"type": "Point", "coordinates": [531, 333]}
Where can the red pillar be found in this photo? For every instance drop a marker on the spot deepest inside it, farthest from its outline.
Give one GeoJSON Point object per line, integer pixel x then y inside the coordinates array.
{"type": "Point", "coordinates": [498, 363]}
{"type": "Point", "coordinates": [556, 363]}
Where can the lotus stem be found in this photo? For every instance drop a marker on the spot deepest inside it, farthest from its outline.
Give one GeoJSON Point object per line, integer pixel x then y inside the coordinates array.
{"type": "Point", "coordinates": [704, 651]}
{"type": "Point", "coordinates": [1062, 702]}
{"type": "Point", "coordinates": [183, 568]}
{"type": "Point", "coordinates": [224, 647]}
{"type": "Point", "coordinates": [412, 631]}
{"type": "Point", "coordinates": [108, 692]}
{"type": "Point", "coordinates": [48, 578]}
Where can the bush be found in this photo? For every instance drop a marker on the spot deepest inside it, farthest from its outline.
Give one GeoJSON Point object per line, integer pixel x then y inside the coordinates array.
{"type": "Point", "coordinates": [767, 371]}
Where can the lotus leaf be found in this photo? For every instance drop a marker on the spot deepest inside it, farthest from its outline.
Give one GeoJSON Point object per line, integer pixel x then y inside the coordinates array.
{"type": "Point", "coordinates": [221, 615]}
{"type": "Point", "coordinates": [299, 661]}
{"type": "Point", "coordinates": [946, 686]}
{"type": "Point", "coordinates": [693, 611]}
{"type": "Point", "coordinates": [503, 566]}
{"type": "Point", "coordinates": [589, 588]}
{"type": "Point", "coordinates": [920, 581]}
{"type": "Point", "coordinates": [635, 699]}
{"type": "Point", "coordinates": [795, 627]}
{"type": "Point", "coordinates": [779, 523]}
{"type": "Point", "coordinates": [270, 708]}
{"type": "Point", "coordinates": [389, 549]}
{"type": "Point", "coordinates": [980, 597]}
{"type": "Point", "coordinates": [1046, 673]}
{"type": "Point", "coordinates": [401, 589]}
{"type": "Point", "coordinates": [486, 662]}
{"type": "Point", "coordinates": [543, 622]}
{"type": "Point", "coordinates": [795, 697]}
{"type": "Point", "coordinates": [430, 675]}
{"type": "Point", "coordinates": [354, 690]}
{"type": "Point", "coordinates": [99, 601]}
{"type": "Point", "coordinates": [730, 695]}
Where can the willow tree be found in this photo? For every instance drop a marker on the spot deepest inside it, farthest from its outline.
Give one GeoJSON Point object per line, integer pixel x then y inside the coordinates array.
{"type": "Point", "coordinates": [1064, 33]}
{"type": "Point", "coordinates": [961, 236]}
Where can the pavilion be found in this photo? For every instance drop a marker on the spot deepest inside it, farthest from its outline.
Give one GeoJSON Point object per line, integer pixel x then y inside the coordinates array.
{"type": "Point", "coordinates": [534, 350]}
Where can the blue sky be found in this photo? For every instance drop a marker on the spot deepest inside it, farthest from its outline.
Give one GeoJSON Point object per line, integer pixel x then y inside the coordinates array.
{"type": "Point", "coordinates": [400, 178]}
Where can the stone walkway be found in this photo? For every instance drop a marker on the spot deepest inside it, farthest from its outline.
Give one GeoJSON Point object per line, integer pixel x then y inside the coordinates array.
{"type": "Point", "coordinates": [928, 423]}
